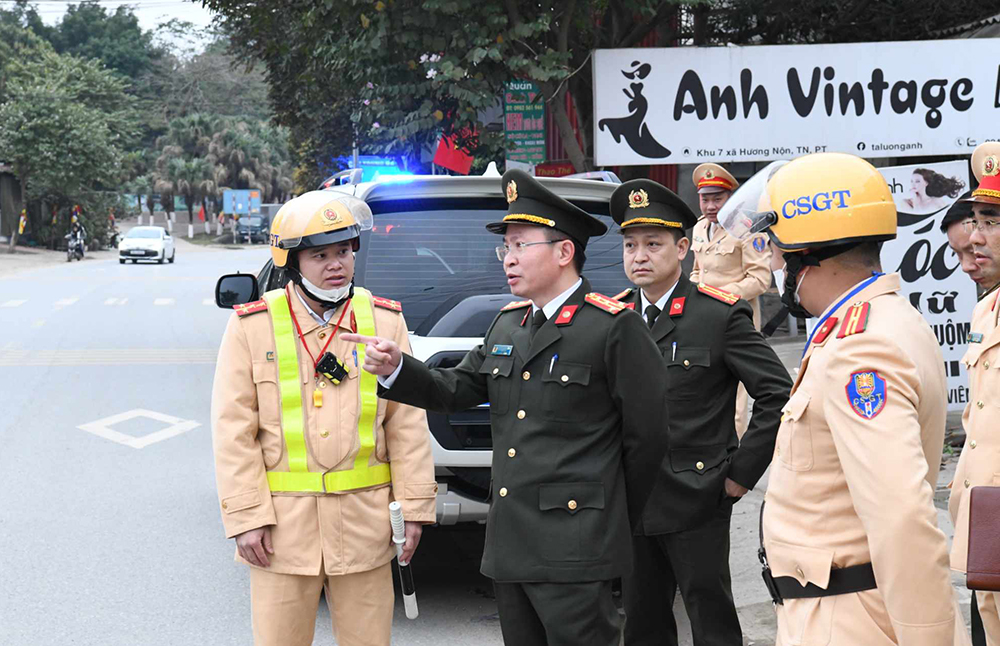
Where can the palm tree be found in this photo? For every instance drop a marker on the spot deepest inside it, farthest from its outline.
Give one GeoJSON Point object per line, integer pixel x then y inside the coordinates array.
{"type": "Point", "coordinates": [190, 178]}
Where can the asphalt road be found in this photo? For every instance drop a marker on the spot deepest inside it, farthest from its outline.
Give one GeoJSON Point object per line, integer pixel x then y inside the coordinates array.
{"type": "Point", "coordinates": [109, 528]}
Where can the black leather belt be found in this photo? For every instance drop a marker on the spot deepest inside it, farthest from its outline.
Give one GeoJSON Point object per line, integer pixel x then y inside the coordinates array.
{"type": "Point", "coordinates": [856, 578]}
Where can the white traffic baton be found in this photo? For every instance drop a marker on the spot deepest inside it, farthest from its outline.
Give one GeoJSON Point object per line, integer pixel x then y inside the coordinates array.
{"type": "Point", "coordinates": [405, 573]}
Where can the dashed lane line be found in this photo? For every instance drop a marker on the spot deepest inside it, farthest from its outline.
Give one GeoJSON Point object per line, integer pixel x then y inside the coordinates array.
{"type": "Point", "coordinates": [164, 301]}
{"type": "Point", "coordinates": [14, 303]}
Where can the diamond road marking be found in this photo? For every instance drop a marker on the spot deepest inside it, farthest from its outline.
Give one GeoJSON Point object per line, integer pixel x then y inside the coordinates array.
{"type": "Point", "coordinates": [14, 303]}
{"type": "Point", "coordinates": [163, 301]}
{"type": "Point", "coordinates": [102, 428]}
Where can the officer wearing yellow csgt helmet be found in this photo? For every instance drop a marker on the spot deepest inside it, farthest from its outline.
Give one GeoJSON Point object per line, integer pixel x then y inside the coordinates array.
{"type": "Point", "coordinates": [303, 444]}
{"type": "Point", "coordinates": [850, 545]}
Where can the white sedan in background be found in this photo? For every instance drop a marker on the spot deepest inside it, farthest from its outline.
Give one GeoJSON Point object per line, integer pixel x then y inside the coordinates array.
{"type": "Point", "coordinates": [146, 243]}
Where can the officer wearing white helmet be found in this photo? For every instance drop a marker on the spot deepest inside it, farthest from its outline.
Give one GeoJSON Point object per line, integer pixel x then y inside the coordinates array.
{"type": "Point", "coordinates": [303, 444]}
{"type": "Point", "coordinates": [851, 549]}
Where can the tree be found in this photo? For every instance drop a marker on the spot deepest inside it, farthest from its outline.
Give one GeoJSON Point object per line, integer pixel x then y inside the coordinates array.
{"type": "Point", "coordinates": [64, 125]}
{"type": "Point", "coordinates": [190, 178]}
{"type": "Point", "coordinates": [409, 70]}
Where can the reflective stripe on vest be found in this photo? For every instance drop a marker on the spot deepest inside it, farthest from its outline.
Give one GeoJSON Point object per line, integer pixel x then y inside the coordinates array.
{"type": "Point", "coordinates": [298, 477]}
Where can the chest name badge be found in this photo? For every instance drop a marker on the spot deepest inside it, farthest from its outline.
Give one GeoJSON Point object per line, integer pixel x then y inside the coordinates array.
{"type": "Point", "coordinates": [866, 393]}
{"type": "Point", "coordinates": [502, 350]}
{"type": "Point", "coordinates": [975, 337]}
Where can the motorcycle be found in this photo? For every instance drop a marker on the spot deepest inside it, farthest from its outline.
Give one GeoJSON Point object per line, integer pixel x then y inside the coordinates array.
{"type": "Point", "coordinates": [74, 247]}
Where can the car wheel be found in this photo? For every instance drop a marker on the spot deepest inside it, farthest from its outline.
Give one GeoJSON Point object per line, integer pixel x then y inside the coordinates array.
{"type": "Point", "coordinates": [172, 256]}
{"type": "Point", "coordinates": [121, 261]}
{"type": "Point", "coordinates": [163, 257]}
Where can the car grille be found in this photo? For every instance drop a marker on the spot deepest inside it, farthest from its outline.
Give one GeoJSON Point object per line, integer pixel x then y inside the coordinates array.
{"type": "Point", "coordinates": [140, 252]}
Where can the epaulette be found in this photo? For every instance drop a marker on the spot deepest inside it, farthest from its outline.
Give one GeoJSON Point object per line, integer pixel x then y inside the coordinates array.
{"type": "Point", "coordinates": [855, 320]}
{"type": "Point", "coordinates": [602, 302]}
{"type": "Point", "coordinates": [718, 294]}
{"type": "Point", "coordinates": [622, 295]}
{"type": "Point", "coordinates": [515, 305]}
{"type": "Point", "coordinates": [245, 309]}
{"type": "Point", "coordinates": [387, 303]}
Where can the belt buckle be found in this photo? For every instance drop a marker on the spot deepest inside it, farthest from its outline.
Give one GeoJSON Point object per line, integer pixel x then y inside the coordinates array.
{"type": "Point", "coordinates": [772, 587]}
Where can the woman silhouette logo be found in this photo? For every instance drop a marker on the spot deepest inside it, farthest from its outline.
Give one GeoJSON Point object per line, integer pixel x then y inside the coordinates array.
{"type": "Point", "coordinates": [633, 127]}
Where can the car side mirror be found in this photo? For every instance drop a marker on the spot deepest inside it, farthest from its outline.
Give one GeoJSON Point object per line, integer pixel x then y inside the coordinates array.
{"type": "Point", "coordinates": [235, 289]}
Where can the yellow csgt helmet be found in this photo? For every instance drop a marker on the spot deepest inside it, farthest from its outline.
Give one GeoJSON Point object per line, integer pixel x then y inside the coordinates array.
{"type": "Point", "coordinates": [816, 201]}
{"type": "Point", "coordinates": [315, 219]}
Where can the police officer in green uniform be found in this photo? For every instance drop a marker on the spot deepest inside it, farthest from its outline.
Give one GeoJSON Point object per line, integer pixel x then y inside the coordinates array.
{"type": "Point", "coordinates": [577, 395]}
{"type": "Point", "coordinates": [708, 343]}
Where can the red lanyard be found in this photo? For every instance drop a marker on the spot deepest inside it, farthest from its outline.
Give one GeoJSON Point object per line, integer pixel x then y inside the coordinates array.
{"type": "Point", "coordinates": [303, 339]}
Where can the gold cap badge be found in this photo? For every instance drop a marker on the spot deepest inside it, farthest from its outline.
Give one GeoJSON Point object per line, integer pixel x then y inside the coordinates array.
{"type": "Point", "coordinates": [709, 174]}
{"type": "Point", "coordinates": [330, 216]}
{"type": "Point", "coordinates": [511, 191]}
{"type": "Point", "coordinates": [990, 166]}
{"type": "Point", "coordinates": [638, 199]}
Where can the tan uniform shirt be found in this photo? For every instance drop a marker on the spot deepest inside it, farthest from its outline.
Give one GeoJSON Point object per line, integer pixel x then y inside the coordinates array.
{"type": "Point", "coordinates": [979, 464]}
{"type": "Point", "coordinates": [846, 489]}
{"type": "Point", "coordinates": [741, 267]}
{"type": "Point", "coordinates": [345, 532]}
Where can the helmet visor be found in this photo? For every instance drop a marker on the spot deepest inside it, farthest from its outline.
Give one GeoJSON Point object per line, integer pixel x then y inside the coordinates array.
{"type": "Point", "coordinates": [749, 210]}
{"type": "Point", "coordinates": [339, 226]}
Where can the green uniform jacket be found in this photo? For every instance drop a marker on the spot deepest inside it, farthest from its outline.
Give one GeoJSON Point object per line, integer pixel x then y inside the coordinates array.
{"type": "Point", "coordinates": [568, 442]}
{"type": "Point", "coordinates": [717, 347]}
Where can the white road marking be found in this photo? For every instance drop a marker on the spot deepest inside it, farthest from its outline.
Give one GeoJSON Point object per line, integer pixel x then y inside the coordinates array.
{"type": "Point", "coordinates": [163, 301]}
{"type": "Point", "coordinates": [208, 301]}
{"type": "Point", "coordinates": [66, 302]}
{"type": "Point", "coordinates": [14, 303]}
{"type": "Point", "coordinates": [116, 301]}
{"type": "Point", "coordinates": [102, 428]}
{"type": "Point", "coordinates": [38, 323]}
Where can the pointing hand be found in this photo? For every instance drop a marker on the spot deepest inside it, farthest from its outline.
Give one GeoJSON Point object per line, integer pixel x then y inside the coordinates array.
{"type": "Point", "coordinates": [382, 356]}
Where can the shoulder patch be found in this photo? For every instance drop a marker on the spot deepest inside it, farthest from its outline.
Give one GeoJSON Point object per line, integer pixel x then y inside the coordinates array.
{"type": "Point", "coordinates": [602, 302]}
{"type": "Point", "coordinates": [515, 305]}
{"type": "Point", "coordinates": [623, 294]}
{"type": "Point", "coordinates": [387, 303]}
{"type": "Point", "coordinates": [824, 330]}
{"type": "Point", "coordinates": [718, 294]}
{"type": "Point", "coordinates": [250, 308]}
{"type": "Point", "coordinates": [866, 393]}
{"type": "Point", "coordinates": [855, 320]}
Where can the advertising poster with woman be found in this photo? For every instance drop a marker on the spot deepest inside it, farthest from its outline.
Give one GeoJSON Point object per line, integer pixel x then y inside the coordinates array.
{"type": "Point", "coordinates": [929, 269]}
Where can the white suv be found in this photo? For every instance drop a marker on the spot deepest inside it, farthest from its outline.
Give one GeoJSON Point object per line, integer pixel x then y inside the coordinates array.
{"type": "Point", "coordinates": [429, 249]}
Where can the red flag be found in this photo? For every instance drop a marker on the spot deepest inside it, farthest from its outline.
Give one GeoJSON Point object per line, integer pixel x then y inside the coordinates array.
{"type": "Point", "coordinates": [452, 158]}
{"type": "Point", "coordinates": [201, 213]}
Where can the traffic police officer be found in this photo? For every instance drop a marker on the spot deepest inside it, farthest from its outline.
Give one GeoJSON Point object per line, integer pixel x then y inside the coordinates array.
{"type": "Point", "coordinates": [708, 342]}
{"type": "Point", "coordinates": [303, 445]}
{"type": "Point", "coordinates": [720, 260]}
{"type": "Point", "coordinates": [850, 542]}
{"type": "Point", "coordinates": [577, 396]}
{"type": "Point", "coordinates": [978, 464]}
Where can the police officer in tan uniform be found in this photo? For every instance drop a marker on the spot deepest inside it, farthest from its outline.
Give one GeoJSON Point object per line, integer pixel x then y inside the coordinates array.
{"type": "Point", "coordinates": [850, 543]}
{"type": "Point", "coordinates": [979, 464]}
{"type": "Point", "coordinates": [307, 459]}
{"type": "Point", "coordinates": [742, 267]}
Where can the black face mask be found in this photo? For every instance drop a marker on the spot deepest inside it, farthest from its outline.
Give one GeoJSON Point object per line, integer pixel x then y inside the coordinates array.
{"type": "Point", "coordinates": [794, 264]}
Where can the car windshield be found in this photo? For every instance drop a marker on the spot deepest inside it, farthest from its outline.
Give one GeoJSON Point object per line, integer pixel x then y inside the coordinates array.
{"type": "Point", "coordinates": [427, 252]}
{"type": "Point", "coordinates": [255, 220]}
{"type": "Point", "coordinates": [143, 233]}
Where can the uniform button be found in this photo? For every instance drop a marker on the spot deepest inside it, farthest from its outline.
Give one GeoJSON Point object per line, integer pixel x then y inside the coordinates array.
{"type": "Point", "coordinates": [686, 363]}
{"type": "Point", "coordinates": [785, 417]}
{"type": "Point", "coordinates": [225, 506]}
{"type": "Point", "coordinates": [700, 465]}
{"type": "Point", "coordinates": [511, 453]}
{"type": "Point", "coordinates": [503, 492]}
{"type": "Point", "coordinates": [565, 378]}
{"type": "Point", "coordinates": [496, 370]}
{"type": "Point", "coordinates": [521, 414]}
{"type": "Point", "coordinates": [322, 335]}
{"type": "Point", "coordinates": [967, 483]}
{"type": "Point", "coordinates": [986, 364]}
{"type": "Point", "coordinates": [979, 404]}
{"type": "Point", "coordinates": [526, 376]}
{"type": "Point", "coordinates": [324, 434]}
{"type": "Point", "coordinates": [571, 504]}
{"type": "Point", "coordinates": [972, 444]}
{"type": "Point", "coordinates": [322, 384]}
